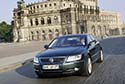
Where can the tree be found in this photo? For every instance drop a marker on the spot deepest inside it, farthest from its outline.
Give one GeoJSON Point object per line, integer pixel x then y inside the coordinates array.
{"type": "Point", "coordinates": [5, 31]}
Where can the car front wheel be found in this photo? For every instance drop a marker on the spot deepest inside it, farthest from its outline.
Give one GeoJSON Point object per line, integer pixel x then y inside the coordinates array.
{"type": "Point", "coordinates": [101, 56]}
{"type": "Point", "coordinates": [87, 68]}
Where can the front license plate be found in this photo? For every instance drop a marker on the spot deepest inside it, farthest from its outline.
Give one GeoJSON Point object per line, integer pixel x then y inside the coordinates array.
{"type": "Point", "coordinates": [47, 67]}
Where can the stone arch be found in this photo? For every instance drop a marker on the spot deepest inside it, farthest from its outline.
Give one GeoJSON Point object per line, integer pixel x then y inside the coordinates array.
{"type": "Point", "coordinates": [55, 4]}
{"type": "Point", "coordinates": [50, 33]}
{"type": "Point", "coordinates": [56, 32]}
{"type": "Point", "coordinates": [42, 21]}
{"type": "Point", "coordinates": [38, 35]}
{"type": "Point", "coordinates": [32, 36]}
{"type": "Point", "coordinates": [36, 22]}
{"type": "Point", "coordinates": [43, 35]}
{"type": "Point", "coordinates": [49, 20]}
{"type": "Point", "coordinates": [65, 32]}
{"type": "Point", "coordinates": [56, 20]}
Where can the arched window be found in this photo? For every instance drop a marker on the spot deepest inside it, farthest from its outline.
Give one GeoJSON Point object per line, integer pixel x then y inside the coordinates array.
{"type": "Point", "coordinates": [64, 4]}
{"type": "Point", "coordinates": [43, 31]}
{"type": "Point", "coordinates": [32, 36]}
{"type": "Point", "coordinates": [56, 32]}
{"type": "Point", "coordinates": [70, 5]}
{"type": "Point", "coordinates": [50, 34]}
{"type": "Point", "coordinates": [45, 5]}
{"type": "Point", "coordinates": [37, 6]}
{"type": "Point", "coordinates": [105, 30]}
{"type": "Point", "coordinates": [50, 5]}
{"type": "Point", "coordinates": [49, 20]}
{"type": "Point", "coordinates": [86, 9]}
{"type": "Point", "coordinates": [42, 21]}
{"type": "Point", "coordinates": [34, 7]}
{"type": "Point", "coordinates": [56, 20]}
{"type": "Point", "coordinates": [91, 10]}
{"type": "Point", "coordinates": [41, 6]}
{"type": "Point", "coordinates": [54, 4]}
{"type": "Point", "coordinates": [38, 35]}
{"type": "Point", "coordinates": [36, 21]}
{"type": "Point", "coordinates": [50, 31]}
{"type": "Point", "coordinates": [43, 35]}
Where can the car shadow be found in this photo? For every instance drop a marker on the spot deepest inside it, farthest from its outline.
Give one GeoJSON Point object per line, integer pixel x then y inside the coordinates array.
{"type": "Point", "coordinates": [27, 71]}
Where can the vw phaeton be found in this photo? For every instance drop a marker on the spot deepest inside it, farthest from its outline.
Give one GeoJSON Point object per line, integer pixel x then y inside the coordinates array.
{"type": "Point", "coordinates": [71, 54]}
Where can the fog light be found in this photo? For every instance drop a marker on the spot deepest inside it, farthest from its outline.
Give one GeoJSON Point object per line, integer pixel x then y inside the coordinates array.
{"type": "Point", "coordinates": [76, 69]}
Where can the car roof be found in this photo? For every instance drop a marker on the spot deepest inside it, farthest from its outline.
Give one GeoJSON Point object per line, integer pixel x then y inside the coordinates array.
{"type": "Point", "coordinates": [70, 35]}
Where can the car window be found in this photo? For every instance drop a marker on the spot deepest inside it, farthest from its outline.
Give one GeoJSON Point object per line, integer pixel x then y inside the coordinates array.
{"type": "Point", "coordinates": [89, 39]}
{"type": "Point", "coordinates": [68, 42]}
{"type": "Point", "coordinates": [92, 37]}
{"type": "Point", "coordinates": [53, 43]}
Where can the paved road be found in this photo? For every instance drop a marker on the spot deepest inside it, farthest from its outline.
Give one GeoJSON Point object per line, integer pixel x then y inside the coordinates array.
{"type": "Point", "coordinates": [111, 71]}
{"type": "Point", "coordinates": [12, 49]}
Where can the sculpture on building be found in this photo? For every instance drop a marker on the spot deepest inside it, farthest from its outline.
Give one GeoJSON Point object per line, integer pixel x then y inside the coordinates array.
{"type": "Point", "coordinates": [21, 4]}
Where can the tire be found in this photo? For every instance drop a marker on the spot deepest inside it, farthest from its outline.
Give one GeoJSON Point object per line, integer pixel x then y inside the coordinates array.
{"type": "Point", "coordinates": [101, 57]}
{"type": "Point", "coordinates": [39, 75]}
{"type": "Point", "coordinates": [87, 67]}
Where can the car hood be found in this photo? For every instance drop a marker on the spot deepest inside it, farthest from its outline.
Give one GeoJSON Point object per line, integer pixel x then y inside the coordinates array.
{"type": "Point", "coordinates": [67, 51]}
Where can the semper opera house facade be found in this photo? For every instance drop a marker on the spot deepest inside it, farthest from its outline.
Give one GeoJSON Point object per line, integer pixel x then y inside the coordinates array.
{"type": "Point", "coordinates": [44, 20]}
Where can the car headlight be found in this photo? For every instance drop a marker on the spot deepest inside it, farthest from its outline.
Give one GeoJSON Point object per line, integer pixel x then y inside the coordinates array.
{"type": "Point", "coordinates": [36, 60]}
{"type": "Point", "coordinates": [74, 58]}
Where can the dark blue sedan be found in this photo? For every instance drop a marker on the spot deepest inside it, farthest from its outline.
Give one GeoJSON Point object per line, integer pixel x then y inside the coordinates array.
{"type": "Point", "coordinates": [71, 54]}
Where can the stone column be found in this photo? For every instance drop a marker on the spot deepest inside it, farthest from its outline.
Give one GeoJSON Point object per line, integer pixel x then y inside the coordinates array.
{"type": "Point", "coordinates": [73, 20]}
{"type": "Point", "coordinates": [33, 21]}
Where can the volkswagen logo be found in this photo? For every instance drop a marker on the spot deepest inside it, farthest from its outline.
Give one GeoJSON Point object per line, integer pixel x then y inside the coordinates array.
{"type": "Point", "coordinates": [51, 60]}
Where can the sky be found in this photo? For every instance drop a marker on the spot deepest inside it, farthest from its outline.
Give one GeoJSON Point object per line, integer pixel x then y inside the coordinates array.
{"type": "Point", "coordinates": [7, 6]}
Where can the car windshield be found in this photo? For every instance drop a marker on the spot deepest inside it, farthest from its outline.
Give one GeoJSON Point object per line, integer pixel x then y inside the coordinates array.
{"type": "Point", "coordinates": [67, 42]}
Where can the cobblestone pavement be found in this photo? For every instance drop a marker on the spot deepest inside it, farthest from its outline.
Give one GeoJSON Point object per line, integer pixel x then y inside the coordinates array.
{"type": "Point", "coordinates": [111, 71]}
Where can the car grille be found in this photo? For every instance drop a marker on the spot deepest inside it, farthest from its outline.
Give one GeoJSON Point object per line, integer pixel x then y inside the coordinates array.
{"type": "Point", "coordinates": [53, 60]}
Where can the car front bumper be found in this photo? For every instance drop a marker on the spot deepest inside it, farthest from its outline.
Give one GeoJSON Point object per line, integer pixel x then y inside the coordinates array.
{"type": "Point", "coordinates": [66, 68]}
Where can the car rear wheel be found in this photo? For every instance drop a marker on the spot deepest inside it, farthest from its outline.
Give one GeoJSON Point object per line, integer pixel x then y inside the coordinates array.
{"type": "Point", "coordinates": [101, 58]}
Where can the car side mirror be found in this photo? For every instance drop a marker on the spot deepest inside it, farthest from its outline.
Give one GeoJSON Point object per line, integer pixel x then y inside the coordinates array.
{"type": "Point", "coordinates": [46, 46]}
{"type": "Point", "coordinates": [95, 41]}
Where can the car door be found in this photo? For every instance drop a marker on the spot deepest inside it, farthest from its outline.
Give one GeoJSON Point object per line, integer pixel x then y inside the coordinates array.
{"type": "Point", "coordinates": [97, 47]}
{"type": "Point", "coordinates": [92, 47]}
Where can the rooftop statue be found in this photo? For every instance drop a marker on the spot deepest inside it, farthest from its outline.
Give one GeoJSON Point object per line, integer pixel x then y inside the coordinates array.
{"type": "Point", "coordinates": [21, 4]}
